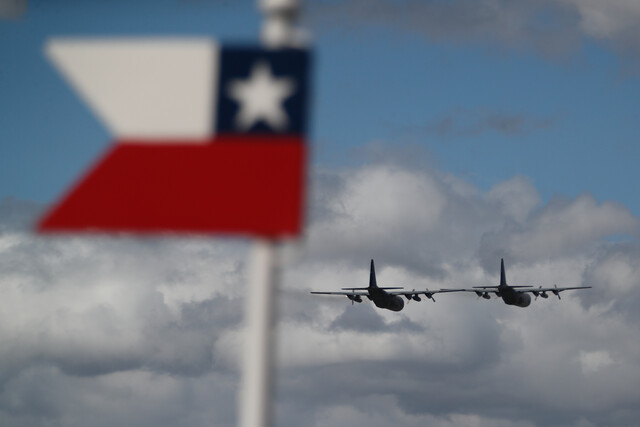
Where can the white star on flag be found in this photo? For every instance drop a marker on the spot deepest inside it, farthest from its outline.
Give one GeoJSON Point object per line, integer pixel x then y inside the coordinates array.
{"type": "Point", "coordinates": [261, 97]}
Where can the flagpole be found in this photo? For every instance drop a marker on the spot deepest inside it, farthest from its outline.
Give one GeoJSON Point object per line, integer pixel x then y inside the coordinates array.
{"type": "Point", "coordinates": [256, 393]}
{"type": "Point", "coordinates": [259, 348]}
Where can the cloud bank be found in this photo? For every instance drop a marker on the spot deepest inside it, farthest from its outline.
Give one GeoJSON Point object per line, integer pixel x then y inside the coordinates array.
{"type": "Point", "coordinates": [104, 331]}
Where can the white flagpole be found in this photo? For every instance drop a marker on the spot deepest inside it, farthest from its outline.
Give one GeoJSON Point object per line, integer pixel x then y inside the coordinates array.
{"type": "Point", "coordinates": [259, 347]}
{"type": "Point", "coordinates": [256, 393]}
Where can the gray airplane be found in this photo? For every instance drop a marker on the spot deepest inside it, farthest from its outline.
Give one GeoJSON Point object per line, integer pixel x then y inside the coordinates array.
{"type": "Point", "coordinates": [383, 297]}
{"type": "Point", "coordinates": [515, 295]}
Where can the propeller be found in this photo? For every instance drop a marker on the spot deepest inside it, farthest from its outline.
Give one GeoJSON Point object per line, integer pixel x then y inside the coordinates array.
{"type": "Point", "coordinates": [483, 294]}
{"type": "Point", "coordinates": [354, 298]}
{"type": "Point", "coordinates": [556, 292]}
{"type": "Point", "coordinates": [429, 295]}
{"type": "Point", "coordinates": [536, 293]}
{"type": "Point", "coordinates": [412, 296]}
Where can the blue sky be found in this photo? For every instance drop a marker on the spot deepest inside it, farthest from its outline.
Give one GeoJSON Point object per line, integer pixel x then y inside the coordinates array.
{"type": "Point", "coordinates": [480, 107]}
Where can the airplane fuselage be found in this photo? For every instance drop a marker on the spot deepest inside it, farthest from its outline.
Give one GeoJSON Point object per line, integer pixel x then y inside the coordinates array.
{"type": "Point", "coordinates": [383, 300]}
{"type": "Point", "coordinates": [511, 296]}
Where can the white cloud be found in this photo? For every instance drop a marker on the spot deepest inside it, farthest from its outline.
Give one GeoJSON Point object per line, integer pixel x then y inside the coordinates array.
{"type": "Point", "coordinates": [101, 320]}
{"type": "Point", "coordinates": [517, 198]}
{"type": "Point", "coordinates": [562, 228]}
{"type": "Point", "coordinates": [617, 271]}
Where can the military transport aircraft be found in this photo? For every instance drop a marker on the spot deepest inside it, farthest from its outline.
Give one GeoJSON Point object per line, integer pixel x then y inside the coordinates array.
{"type": "Point", "coordinates": [515, 295]}
{"type": "Point", "coordinates": [383, 297]}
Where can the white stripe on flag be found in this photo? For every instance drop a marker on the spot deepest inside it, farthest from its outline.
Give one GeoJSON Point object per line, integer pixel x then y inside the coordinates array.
{"type": "Point", "coordinates": [144, 88]}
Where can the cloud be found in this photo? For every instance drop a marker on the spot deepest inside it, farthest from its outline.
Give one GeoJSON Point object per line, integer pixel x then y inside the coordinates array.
{"type": "Point", "coordinates": [149, 331]}
{"type": "Point", "coordinates": [562, 228]}
{"type": "Point", "coordinates": [615, 21]}
{"type": "Point", "coordinates": [551, 27]}
{"type": "Point", "coordinates": [515, 198]}
{"type": "Point", "coordinates": [593, 361]}
{"type": "Point", "coordinates": [615, 276]}
{"type": "Point", "coordinates": [10, 9]}
{"type": "Point", "coordinates": [382, 410]}
{"type": "Point", "coordinates": [462, 123]}
{"type": "Point", "coordinates": [87, 324]}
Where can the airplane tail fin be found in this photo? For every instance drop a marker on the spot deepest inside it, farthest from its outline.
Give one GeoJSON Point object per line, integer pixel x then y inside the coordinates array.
{"type": "Point", "coordinates": [372, 277]}
{"type": "Point", "coordinates": [503, 277]}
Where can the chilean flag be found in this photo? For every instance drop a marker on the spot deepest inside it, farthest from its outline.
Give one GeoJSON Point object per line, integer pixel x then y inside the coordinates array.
{"type": "Point", "coordinates": [207, 139]}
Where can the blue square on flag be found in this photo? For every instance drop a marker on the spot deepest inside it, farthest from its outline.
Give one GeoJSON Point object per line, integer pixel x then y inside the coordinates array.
{"type": "Point", "coordinates": [262, 91]}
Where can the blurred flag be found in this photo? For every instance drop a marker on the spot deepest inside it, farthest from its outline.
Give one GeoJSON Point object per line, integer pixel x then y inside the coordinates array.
{"type": "Point", "coordinates": [208, 139]}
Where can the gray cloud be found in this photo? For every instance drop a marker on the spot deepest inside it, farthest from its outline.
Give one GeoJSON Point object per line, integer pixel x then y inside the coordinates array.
{"type": "Point", "coordinates": [463, 123]}
{"type": "Point", "coordinates": [106, 331]}
{"type": "Point", "coordinates": [10, 9]}
{"type": "Point", "coordinates": [366, 319]}
{"type": "Point", "coordinates": [551, 27]}
{"type": "Point", "coordinates": [616, 22]}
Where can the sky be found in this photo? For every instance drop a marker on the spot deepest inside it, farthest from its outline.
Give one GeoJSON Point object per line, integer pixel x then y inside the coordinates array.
{"type": "Point", "coordinates": [445, 135]}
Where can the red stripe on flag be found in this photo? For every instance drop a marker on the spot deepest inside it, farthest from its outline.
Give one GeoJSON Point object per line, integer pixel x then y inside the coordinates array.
{"type": "Point", "coordinates": [252, 186]}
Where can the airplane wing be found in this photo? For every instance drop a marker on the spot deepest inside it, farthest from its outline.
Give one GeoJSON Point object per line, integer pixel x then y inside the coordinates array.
{"type": "Point", "coordinates": [354, 295]}
{"type": "Point", "coordinates": [481, 291]}
{"type": "Point", "coordinates": [415, 295]}
{"type": "Point", "coordinates": [484, 291]}
{"type": "Point", "coordinates": [361, 293]}
{"type": "Point", "coordinates": [555, 288]}
{"type": "Point", "coordinates": [540, 291]}
{"type": "Point", "coordinates": [353, 291]}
